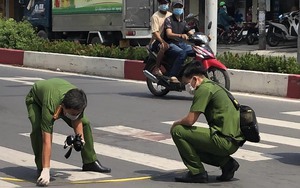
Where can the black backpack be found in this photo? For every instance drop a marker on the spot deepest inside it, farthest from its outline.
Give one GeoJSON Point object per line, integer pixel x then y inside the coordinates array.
{"type": "Point", "coordinates": [248, 122]}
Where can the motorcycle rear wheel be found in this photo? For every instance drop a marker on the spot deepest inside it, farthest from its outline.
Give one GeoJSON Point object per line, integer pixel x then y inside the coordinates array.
{"type": "Point", "coordinates": [272, 39]}
{"type": "Point", "coordinates": [219, 76]}
{"type": "Point", "coordinates": [251, 39]}
{"type": "Point", "coordinates": [154, 88]}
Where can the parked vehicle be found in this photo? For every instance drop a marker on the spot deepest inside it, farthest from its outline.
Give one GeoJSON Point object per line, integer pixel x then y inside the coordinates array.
{"type": "Point", "coordinates": [236, 33]}
{"type": "Point", "coordinates": [94, 21]}
{"type": "Point", "coordinates": [215, 70]}
{"type": "Point", "coordinates": [285, 30]}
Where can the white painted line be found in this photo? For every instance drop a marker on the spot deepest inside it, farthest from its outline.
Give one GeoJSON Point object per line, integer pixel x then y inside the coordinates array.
{"type": "Point", "coordinates": [72, 173]}
{"type": "Point", "coordinates": [158, 137]}
{"type": "Point", "coordinates": [253, 155]}
{"type": "Point", "coordinates": [260, 145]}
{"type": "Point", "coordinates": [7, 184]}
{"type": "Point", "coordinates": [280, 139]}
{"type": "Point", "coordinates": [13, 79]}
{"type": "Point", "coordinates": [278, 123]}
{"type": "Point", "coordinates": [294, 113]}
{"type": "Point", "coordinates": [29, 78]}
{"type": "Point", "coordinates": [135, 133]}
{"type": "Point", "coordinates": [128, 155]}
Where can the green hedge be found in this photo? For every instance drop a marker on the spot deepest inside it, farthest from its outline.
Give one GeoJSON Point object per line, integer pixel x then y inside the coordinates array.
{"type": "Point", "coordinates": [21, 35]}
{"type": "Point", "coordinates": [254, 62]}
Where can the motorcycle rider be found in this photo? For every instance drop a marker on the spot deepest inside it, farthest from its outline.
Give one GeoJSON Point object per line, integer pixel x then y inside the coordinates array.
{"type": "Point", "coordinates": [157, 43]}
{"type": "Point", "coordinates": [176, 27]}
{"type": "Point", "coordinates": [224, 19]}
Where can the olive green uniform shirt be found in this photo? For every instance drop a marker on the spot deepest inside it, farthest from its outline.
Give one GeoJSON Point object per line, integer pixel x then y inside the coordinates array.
{"type": "Point", "coordinates": [219, 111]}
{"type": "Point", "coordinates": [48, 94]}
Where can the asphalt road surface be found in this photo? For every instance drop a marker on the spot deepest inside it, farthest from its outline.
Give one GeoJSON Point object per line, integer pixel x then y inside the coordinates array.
{"type": "Point", "coordinates": [131, 135]}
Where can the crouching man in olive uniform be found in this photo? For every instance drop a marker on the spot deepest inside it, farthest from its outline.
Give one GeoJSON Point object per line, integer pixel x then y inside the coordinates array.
{"type": "Point", "coordinates": [47, 101]}
{"type": "Point", "coordinates": [212, 145]}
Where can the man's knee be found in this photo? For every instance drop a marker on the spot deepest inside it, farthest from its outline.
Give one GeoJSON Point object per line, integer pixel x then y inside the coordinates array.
{"type": "Point", "coordinates": [176, 131]}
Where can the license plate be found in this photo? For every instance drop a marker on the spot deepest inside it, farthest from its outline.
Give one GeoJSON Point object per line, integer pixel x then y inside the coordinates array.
{"type": "Point", "coordinates": [245, 32]}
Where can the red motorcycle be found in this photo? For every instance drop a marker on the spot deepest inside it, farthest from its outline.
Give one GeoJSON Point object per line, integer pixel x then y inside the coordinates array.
{"type": "Point", "coordinates": [215, 70]}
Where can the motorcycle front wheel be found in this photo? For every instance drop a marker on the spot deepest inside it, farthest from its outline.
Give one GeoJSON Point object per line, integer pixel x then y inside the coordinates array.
{"type": "Point", "coordinates": [219, 76]}
{"type": "Point", "coordinates": [154, 88]}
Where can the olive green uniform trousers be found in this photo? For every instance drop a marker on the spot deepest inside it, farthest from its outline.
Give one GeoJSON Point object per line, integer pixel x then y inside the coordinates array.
{"type": "Point", "coordinates": [88, 153]}
{"type": "Point", "coordinates": [198, 144]}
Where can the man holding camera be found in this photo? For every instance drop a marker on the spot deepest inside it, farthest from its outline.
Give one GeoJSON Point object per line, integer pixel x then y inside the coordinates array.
{"type": "Point", "coordinates": [47, 101]}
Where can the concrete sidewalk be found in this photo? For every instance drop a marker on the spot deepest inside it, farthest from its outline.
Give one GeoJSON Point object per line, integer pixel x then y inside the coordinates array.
{"type": "Point", "coordinates": [289, 49]}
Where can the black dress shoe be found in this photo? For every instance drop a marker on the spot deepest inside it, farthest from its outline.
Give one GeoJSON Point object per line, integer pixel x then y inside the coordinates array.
{"type": "Point", "coordinates": [228, 170]}
{"type": "Point", "coordinates": [95, 167]}
{"type": "Point", "coordinates": [197, 178]}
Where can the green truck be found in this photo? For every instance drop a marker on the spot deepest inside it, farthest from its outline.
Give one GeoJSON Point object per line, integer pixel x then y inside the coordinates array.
{"type": "Point", "coordinates": [118, 22]}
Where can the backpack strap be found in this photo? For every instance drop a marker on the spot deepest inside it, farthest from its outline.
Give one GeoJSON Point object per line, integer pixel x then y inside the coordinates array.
{"type": "Point", "coordinates": [231, 97]}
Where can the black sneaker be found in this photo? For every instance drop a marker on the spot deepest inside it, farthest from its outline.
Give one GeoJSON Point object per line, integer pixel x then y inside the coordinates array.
{"type": "Point", "coordinates": [197, 178]}
{"type": "Point", "coordinates": [228, 170]}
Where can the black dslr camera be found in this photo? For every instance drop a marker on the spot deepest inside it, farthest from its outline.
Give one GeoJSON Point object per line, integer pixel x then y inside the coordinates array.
{"type": "Point", "coordinates": [73, 142]}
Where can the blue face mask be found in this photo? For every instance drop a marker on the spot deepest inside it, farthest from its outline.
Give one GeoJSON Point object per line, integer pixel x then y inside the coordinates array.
{"type": "Point", "coordinates": [178, 11]}
{"type": "Point", "coordinates": [163, 7]}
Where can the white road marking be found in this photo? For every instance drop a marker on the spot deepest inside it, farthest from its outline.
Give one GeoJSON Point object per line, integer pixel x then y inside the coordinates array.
{"type": "Point", "coordinates": [7, 184]}
{"type": "Point", "coordinates": [280, 139]}
{"type": "Point", "coordinates": [278, 123]}
{"type": "Point", "coordinates": [128, 155]}
{"type": "Point", "coordinates": [199, 124]}
{"type": "Point", "coordinates": [295, 113]}
{"type": "Point", "coordinates": [22, 80]}
{"type": "Point", "coordinates": [59, 169]}
{"type": "Point", "coordinates": [161, 138]}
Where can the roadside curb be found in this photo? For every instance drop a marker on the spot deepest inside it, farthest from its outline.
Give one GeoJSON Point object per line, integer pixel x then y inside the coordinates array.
{"type": "Point", "coordinates": [275, 84]}
{"type": "Point", "coordinates": [11, 56]}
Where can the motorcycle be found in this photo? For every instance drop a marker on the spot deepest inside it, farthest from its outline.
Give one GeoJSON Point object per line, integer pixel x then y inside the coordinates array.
{"type": "Point", "coordinates": [234, 34]}
{"type": "Point", "coordinates": [285, 30]}
{"type": "Point", "coordinates": [215, 70]}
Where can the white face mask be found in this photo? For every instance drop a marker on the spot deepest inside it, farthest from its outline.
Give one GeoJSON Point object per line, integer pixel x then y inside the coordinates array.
{"type": "Point", "coordinates": [189, 88]}
{"type": "Point", "coordinates": [71, 117]}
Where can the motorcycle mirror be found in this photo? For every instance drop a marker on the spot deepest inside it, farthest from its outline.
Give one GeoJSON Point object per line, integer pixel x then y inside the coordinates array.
{"type": "Point", "coordinates": [209, 25]}
{"type": "Point", "coordinates": [190, 15]}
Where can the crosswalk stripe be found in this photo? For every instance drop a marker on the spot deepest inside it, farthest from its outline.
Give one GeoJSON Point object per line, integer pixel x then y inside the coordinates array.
{"type": "Point", "coordinates": [278, 123]}
{"type": "Point", "coordinates": [280, 139]}
{"type": "Point", "coordinates": [128, 155]}
{"type": "Point", "coordinates": [159, 137]}
{"type": "Point", "coordinates": [295, 113]}
{"type": "Point", "coordinates": [199, 124]}
{"type": "Point", "coordinates": [7, 184]}
{"type": "Point", "coordinates": [73, 173]}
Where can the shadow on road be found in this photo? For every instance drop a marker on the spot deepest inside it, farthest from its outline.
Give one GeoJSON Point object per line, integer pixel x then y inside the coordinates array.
{"type": "Point", "coordinates": [289, 158]}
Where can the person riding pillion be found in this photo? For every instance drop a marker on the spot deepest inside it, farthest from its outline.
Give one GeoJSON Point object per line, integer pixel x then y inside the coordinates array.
{"type": "Point", "coordinates": [47, 101]}
{"type": "Point", "coordinates": [157, 43]}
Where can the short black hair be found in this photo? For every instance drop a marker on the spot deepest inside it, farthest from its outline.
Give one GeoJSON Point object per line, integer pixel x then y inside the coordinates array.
{"type": "Point", "coordinates": [75, 99]}
{"type": "Point", "coordinates": [192, 69]}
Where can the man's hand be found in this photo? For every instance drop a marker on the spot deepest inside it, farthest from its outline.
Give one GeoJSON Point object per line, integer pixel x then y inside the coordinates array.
{"type": "Point", "coordinates": [44, 178]}
{"type": "Point", "coordinates": [184, 36]}
{"type": "Point", "coordinates": [164, 46]}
